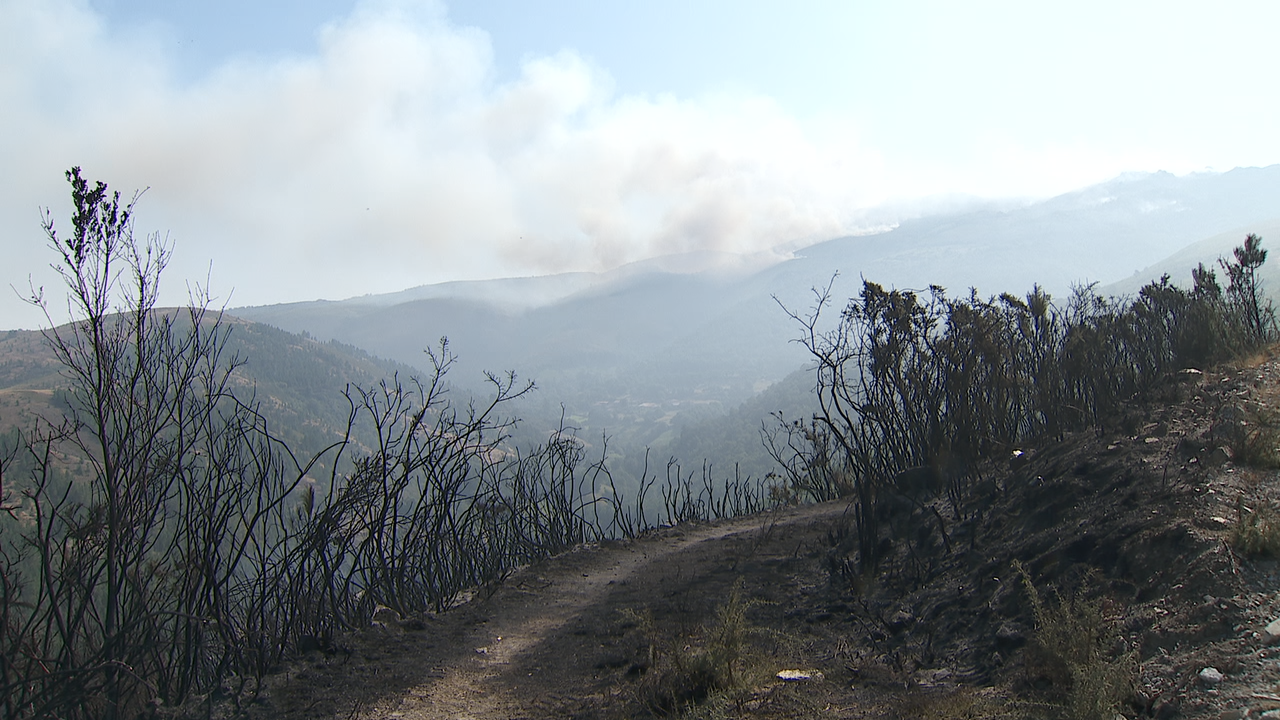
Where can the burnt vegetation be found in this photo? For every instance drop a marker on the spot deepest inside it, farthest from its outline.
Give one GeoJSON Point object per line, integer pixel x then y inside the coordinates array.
{"type": "Point", "coordinates": [162, 544]}
{"type": "Point", "coordinates": [915, 391]}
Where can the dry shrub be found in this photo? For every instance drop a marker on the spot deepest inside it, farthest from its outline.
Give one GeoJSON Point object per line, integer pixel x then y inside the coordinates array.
{"type": "Point", "coordinates": [1257, 357]}
{"type": "Point", "coordinates": [1260, 447]}
{"type": "Point", "coordinates": [1257, 531]}
{"type": "Point", "coordinates": [684, 676]}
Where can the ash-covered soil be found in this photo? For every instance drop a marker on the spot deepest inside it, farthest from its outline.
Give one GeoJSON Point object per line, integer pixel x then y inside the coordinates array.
{"type": "Point", "coordinates": [1136, 518]}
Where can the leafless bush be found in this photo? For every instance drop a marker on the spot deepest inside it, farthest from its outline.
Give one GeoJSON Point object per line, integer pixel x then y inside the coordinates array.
{"type": "Point", "coordinates": [441, 505]}
{"type": "Point", "coordinates": [712, 498]}
{"type": "Point", "coordinates": [121, 588]}
{"type": "Point", "coordinates": [684, 499]}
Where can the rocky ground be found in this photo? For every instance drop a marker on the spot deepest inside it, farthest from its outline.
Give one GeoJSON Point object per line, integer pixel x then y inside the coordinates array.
{"type": "Point", "coordinates": [1137, 524]}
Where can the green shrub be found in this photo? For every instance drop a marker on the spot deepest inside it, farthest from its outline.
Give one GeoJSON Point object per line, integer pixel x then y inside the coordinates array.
{"type": "Point", "coordinates": [1074, 648]}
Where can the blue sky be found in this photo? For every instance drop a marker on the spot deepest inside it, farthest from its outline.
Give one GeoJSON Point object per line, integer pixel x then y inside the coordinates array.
{"type": "Point", "coordinates": [296, 150]}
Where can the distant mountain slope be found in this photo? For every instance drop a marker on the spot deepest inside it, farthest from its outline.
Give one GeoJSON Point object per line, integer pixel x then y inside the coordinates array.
{"type": "Point", "coordinates": [298, 380]}
{"type": "Point", "coordinates": [1102, 233]}
{"type": "Point", "coordinates": [1179, 265]}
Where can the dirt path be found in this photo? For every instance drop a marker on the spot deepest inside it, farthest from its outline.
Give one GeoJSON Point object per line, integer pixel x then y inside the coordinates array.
{"type": "Point", "coordinates": [554, 640]}
{"type": "Point", "coordinates": [535, 610]}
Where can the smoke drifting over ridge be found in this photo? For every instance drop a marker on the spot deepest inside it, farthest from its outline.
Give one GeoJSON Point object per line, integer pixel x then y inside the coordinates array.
{"type": "Point", "coordinates": [391, 157]}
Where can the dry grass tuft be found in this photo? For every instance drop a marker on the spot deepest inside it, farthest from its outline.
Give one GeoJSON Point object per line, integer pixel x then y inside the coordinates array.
{"type": "Point", "coordinates": [712, 665]}
{"type": "Point", "coordinates": [1257, 530]}
{"type": "Point", "coordinates": [962, 704]}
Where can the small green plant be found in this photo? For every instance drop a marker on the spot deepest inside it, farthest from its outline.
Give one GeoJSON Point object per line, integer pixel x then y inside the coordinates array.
{"type": "Point", "coordinates": [1073, 649]}
{"type": "Point", "coordinates": [1257, 531]}
{"type": "Point", "coordinates": [684, 676]}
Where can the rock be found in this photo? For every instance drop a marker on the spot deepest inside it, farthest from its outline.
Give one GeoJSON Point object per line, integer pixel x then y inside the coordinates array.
{"type": "Point", "coordinates": [798, 675]}
{"type": "Point", "coordinates": [900, 621]}
{"type": "Point", "coordinates": [930, 678]}
{"type": "Point", "coordinates": [1218, 456]}
{"type": "Point", "coordinates": [309, 644]}
{"type": "Point", "coordinates": [1018, 460]}
{"type": "Point", "coordinates": [1166, 708]}
{"type": "Point", "coordinates": [1210, 676]}
{"type": "Point", "coordinates": [1271, 633]}
{"type": "Point", "coordinates": [384, 616]}
{"type": "Point", "coordinates": [1010, 634]}
{"type": "Point", "coordinates": [1189, 448]}
{"type": "Point", "coordinates": [1231, 427]}
{"type": "Point", "coordinates": [1270, 715]}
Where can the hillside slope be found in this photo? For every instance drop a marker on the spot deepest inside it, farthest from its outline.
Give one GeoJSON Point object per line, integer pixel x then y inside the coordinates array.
{"type": "Point", "coordinates": [1135, 522]}
{"type": "Point", "coordinates": [298, 380]}
{"type": "Point", "coordinates": [1179, 265]}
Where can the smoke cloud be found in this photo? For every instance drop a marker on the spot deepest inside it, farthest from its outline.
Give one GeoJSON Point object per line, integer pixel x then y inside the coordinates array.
{"type": "Point", "coordinates": [391, 157]}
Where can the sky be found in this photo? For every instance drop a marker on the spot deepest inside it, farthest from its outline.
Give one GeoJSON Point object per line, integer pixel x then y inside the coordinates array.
{"type": "Point", "coordinates": [302, 149]}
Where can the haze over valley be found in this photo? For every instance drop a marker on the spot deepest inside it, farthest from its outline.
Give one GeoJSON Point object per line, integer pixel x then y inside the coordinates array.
{"type": "Point", "coordinates": [346, 148]}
